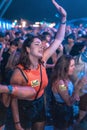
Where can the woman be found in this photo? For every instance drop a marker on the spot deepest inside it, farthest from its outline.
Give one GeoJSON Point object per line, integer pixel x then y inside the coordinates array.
{"type": "Point", "coordinates": [31, 72]}
{"type": "Point", "coordinates": [66, 109]}
{"type": "Point", "coordinates": [79, 51]}
{"type": "Point", "coordinates": [33, 55]}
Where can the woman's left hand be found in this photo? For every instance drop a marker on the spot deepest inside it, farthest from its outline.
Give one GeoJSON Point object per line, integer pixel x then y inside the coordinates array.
{"type": "Point", "coordinates": [60, 9]}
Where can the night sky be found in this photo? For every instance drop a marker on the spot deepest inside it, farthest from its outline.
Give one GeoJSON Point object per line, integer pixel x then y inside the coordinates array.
{"type": "Point", "coordinates": [40, 10]}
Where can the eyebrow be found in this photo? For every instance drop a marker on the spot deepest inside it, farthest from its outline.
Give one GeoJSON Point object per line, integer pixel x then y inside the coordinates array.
{"type": "Point", "coordinates": [37, 42]}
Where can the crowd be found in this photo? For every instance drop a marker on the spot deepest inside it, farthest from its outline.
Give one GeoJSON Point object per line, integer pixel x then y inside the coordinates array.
{"type": "Point", "coordinates": [43, 68]}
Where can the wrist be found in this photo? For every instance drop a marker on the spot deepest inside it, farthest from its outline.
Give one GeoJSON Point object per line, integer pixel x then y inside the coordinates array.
{"type": "Point", "coordinates": [17, 122]}
{"type": "Point", "coordinates": [63, 20]}
{"type": "Point", "coordinates": [10, 89]}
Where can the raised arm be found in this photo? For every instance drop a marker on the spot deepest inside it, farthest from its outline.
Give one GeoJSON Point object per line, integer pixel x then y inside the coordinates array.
{"type": "Point", "coordinates": [60, 33]}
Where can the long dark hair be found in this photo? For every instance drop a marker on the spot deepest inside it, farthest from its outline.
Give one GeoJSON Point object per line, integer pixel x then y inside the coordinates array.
{"type": "Point", "coordinates": [24, 56]}
{"type": "Point", "coordinates": [61, 68]}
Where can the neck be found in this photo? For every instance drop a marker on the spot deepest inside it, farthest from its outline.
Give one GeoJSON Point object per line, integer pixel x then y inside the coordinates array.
{"type": "Point", "coordinates": [34, 63]}
{"type": "Point", "coordinates": [33, 66]}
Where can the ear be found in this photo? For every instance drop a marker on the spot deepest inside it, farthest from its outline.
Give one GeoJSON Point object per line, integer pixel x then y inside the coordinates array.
{"type": "Point", "coordinates": [28, 49]}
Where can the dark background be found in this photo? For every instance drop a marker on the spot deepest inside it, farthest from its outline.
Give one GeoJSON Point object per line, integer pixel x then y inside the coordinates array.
{"type": "Point", "coordinates": [39, 10]}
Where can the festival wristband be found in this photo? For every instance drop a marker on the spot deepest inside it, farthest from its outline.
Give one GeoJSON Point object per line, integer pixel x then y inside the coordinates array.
{"type": "Point", "coordinates": [10, 88]}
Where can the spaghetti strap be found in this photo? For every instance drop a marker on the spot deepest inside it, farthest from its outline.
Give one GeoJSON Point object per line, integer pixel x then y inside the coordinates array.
{"type": "Point", "coordinates": [23, 74]}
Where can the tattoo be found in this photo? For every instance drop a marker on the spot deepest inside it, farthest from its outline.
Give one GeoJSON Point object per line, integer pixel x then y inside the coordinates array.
{"type": "Point", "coordinates": [62, 87]}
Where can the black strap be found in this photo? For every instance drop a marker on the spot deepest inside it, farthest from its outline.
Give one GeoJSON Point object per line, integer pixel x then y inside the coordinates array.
{"type": "Point", "coordinates": [40, 82]}
{"type": "Point", "coordinates": [23, 74]}
{"type": "Point", "coordinates": [27, 79]}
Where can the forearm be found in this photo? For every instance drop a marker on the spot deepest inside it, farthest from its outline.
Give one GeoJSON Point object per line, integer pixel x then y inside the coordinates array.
{"type": "Point", "coordinates": [70, 100]}
{"type": "Point", "coordinates": [6, 99]}
{"type": "Point", "coordinates": [75, 96]}
{"type": "Point", "coordinates": [23, 92]}
{"type": "Point", "coordinates": [50, 65]}
{"type": "Point", "coordinates": [19, 91]}
{"type": "Point", "coordinates": [60, 54]}
{"type": "Point", "coordinates": [78, 86]}
{"type": "Point", "coordinates": [61, 32]}
{"type": "Point", "coordinates": [15, 112]}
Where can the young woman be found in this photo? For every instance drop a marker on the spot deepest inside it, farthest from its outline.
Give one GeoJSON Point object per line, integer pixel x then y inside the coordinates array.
{"type": "Point", "coordinates": [66, 109]}
{"type": "Point", "coordinates": [31, 73]}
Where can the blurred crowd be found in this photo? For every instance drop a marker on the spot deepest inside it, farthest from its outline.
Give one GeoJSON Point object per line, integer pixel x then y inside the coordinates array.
{"type": "Point", "coordinates": [74, 44]}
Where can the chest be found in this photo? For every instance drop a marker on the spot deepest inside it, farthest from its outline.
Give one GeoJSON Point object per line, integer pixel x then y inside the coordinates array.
{"type": "Point", "coordinates": [35, 77]}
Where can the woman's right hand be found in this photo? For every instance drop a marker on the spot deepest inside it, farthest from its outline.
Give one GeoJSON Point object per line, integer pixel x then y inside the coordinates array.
{"type": "Point", "coordinates": [18, 126]}
{"type": "Point", "coordinates": [82, 82]}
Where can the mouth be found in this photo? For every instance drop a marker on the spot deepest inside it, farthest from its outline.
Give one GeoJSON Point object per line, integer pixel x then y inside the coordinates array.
{"type": "Point", "coordinates": [41, 51]}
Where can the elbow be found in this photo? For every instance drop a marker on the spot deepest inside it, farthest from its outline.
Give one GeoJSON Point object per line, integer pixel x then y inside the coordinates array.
{"type": "Point", "coordinates": [29, 95]}
{"type": "Point", "coordinates": [69, 103]}
{"type": "Point", "coordinates": [34, 92]}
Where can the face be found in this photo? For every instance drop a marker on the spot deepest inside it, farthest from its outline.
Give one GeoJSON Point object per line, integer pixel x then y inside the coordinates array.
{"type": "Point", "coordinates": [71, 67]}
{"type": "Point", "coordinates": [13, 48]}
{"type": "Point", "coordinates": [36, 48]}
{"type": "Point", "coordinates": [7, 37]}
{"type": "Point", "coordinates": [48, 38]}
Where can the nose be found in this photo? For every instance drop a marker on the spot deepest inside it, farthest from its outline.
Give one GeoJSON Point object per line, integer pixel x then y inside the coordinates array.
{"type": "Point", "coordinates": [41, 46]}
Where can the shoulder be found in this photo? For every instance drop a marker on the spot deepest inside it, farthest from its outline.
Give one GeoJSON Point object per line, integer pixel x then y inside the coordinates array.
{"type": "Point", "coordinates": [62, 85]}
{"type": "Point", "coordinates": [17, 77]}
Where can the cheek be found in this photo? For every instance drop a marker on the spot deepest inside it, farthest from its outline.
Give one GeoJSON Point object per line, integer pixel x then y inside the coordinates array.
{"type": "Point", "coordinates": [34, 51]}
{"type": "Point", "coordinates": [71, 70]}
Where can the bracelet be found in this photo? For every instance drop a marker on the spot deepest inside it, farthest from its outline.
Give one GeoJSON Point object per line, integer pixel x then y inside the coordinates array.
{"type": "Point", "coordinates": [10, 88]}
{"type": "Point", "coordinates": [63, 22]}
{"type": "Point", "coordinates": [17, 122]}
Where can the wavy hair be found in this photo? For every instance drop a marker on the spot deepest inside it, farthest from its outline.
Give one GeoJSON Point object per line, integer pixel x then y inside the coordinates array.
{"type": "Point", "coordinates": [61, 68]}
{"type": "Point", "coordinates": [24, 56]}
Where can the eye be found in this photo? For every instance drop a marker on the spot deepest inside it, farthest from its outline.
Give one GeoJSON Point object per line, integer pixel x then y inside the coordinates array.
{"type": "Point", "coordinates": [37, 44]}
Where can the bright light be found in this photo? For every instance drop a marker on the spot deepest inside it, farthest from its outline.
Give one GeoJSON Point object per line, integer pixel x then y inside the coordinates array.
{"type": "Point", "coordinates": [7, 25]}
{"type": "Point", "coordinates": [23, 23]}
{"type": "Point", "coordinates": [20, 26]}
{"type": "Point", "coordinates": [3, 25]}
{"type": "Point", "coordinates": [0, 23]}
{"type": "Point", "coordinates": [52, 25]}
{"type": "Point", "coordinates": [35, 25]}
{"type": "Point", "coordinates": [13, 24]}
{"type": "Point", "coordinates": [15, 21]}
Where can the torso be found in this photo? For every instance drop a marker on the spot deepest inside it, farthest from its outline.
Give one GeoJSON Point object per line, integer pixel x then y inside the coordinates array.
{"type": "Point", "coordinates": [34, 79]}
{"type": "Point", "coordinates": [70, 91]}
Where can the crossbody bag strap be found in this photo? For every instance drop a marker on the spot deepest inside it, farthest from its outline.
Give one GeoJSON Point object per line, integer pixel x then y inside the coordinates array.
{"type": "Point", "coordinates": [40, 82]}
{"type": "Point", "coordinates": [23, 74]}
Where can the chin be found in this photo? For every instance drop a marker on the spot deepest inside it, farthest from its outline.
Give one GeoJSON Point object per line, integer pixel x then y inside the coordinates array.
{"type": "Point", "coordinates": [40, 56]}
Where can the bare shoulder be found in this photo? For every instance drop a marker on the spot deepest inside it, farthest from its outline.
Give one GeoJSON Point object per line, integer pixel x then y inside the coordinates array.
{"type": "Point", "coordinates": [17, 78]}
{"type": "Point", "coordinates": [62, 86]}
